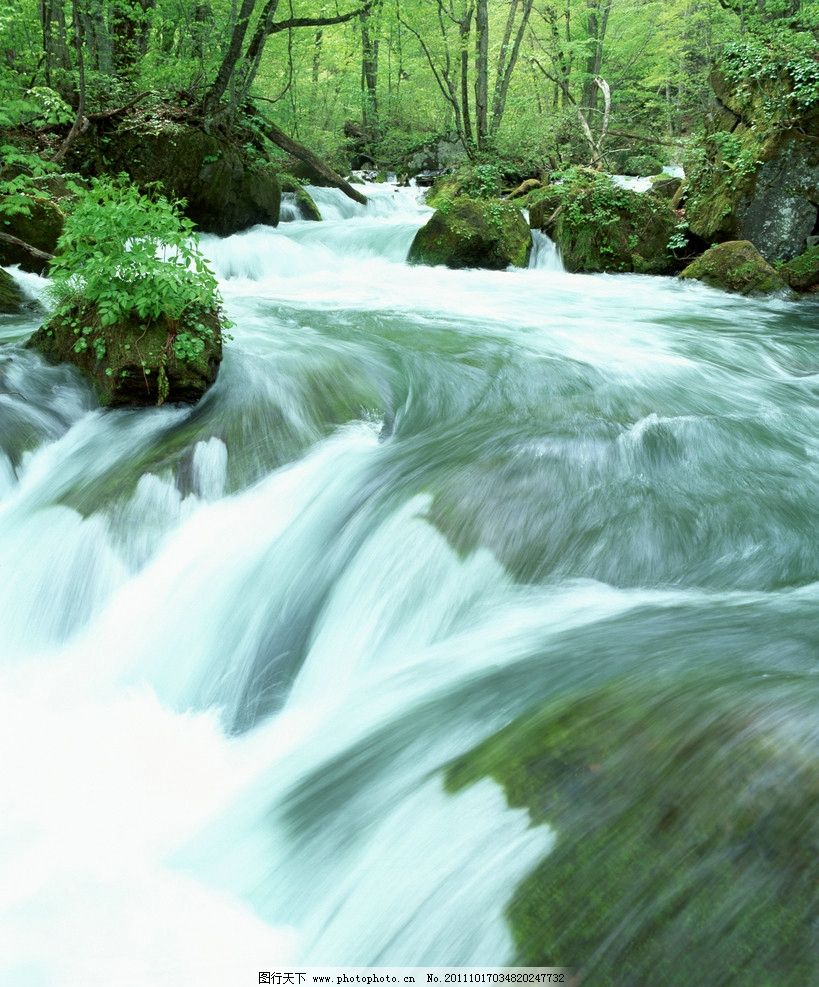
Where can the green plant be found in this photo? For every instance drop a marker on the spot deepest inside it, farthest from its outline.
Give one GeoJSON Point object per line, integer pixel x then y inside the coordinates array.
{"type": "Point", "coordinates": [131, 255]}
{"type": "Point", "coordinates": [679, 238]}
{"type": "Point", "coordinates": [51, 109]}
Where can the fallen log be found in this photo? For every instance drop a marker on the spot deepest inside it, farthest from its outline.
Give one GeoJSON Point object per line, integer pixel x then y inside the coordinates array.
{"type": "Point", "coordinates": [34, 251]}
{"type": "Point", "coordinates": [280, 139]}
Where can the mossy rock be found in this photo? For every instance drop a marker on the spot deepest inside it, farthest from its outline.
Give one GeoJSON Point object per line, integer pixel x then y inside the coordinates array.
{"type": "Point", "coordinates": [136, 362]}
{"type": "Point", "coordinates": [11, 298]}
{"type": "Point", "coordinates": [666, 186]}
{"type": "Point", "coordinates": [308, 208]}
{"type": "Point", "coordinates": [41, 227]}
{"type": "Point", "coordinates": [642, 166]}
{"type": "Point", "coordinates": [802, 273]}
{"type": "Point", "coordinates": [473, 233]}
{"type": "Point", "coordinates": [599, 226]}
{"type": "Point", "coordinates": [753, 180]}
{"type": "Point", "coordinates": [226, 188]}
{"type": "Point", "coordinates": [735, 266]}
{"type": "Point", "coordinates": [686, 819]}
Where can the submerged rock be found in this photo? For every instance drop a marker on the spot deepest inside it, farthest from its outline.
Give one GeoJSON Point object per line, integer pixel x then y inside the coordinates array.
{"type": "Point", "coordinates": [40, 224]}
{"type": "Point", "coordinates": [136, 362]}
{"type": "Point", "coordinates": [599, 226]}
{"type": "Point", "coordinates": [802, 273]}
{"type": "Point", "coordinates": [473, 233]}
{"type": "Point", "coordinates": [686, 820]}
{"type": "Point", "coordinates": [227, 189]}
{"type": "Point", "coordinates": [736, 266]}
{"type": "Point", "coordinates": [11, 298]}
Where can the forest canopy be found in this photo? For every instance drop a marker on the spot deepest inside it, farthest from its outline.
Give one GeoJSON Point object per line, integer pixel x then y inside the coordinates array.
{"type": "Point", "coordinates": [543, 83]}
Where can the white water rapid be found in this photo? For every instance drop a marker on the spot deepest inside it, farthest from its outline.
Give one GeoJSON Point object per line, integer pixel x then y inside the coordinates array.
{"type": "Point", "coordinates": [241, 642]}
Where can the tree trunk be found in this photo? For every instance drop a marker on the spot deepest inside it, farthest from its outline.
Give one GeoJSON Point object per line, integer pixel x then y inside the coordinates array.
{"type": "Point", "coordinates": [507, 61]}
{"type": "Point", "coordinates": [463, 37]}
{"type": "Point", "coordinates": [369, 71]}
{"type": "Point", "coordinates": [280, 139]}
{"type": "Point", "coordinates": [482, 72]}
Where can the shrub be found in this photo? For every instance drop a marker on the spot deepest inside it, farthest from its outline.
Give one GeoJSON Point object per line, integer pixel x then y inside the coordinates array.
{"type": "Point", "coordinates": [131, 255]}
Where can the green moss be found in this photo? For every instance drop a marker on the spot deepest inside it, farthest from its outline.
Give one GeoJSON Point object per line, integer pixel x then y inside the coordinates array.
{"type": "Point", "coordinates": [721, 174]}
{"type": "Point", "coordinates": [11, 298]}
{"type": "Point", "coordinates": [735, 266]}
{"type": "Point", "coordinates": [473, 233]}
{"type": "Point", "coordinates": [599, 226]}
{"type": "Point", "coordinates": [666, 186]}
{"type": "Point", "coordinates": [686, 821]}
{"type": "Point", "coordinates": [135, 362]}
{"type": "Point", "coordinates": [802, 273]}
{"type": "Point", "coordinates": [304, 200]}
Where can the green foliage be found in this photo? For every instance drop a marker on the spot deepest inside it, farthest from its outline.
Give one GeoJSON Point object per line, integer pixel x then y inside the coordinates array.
{"type": "Point", "coordinates": [642, 165]}
{"type": "Point", "coordinates": [476, 181]}
{"type": "Point", "coordinates": [18, 172]}
{"type": "Point", "coordinates": [131, 256]}
{"type": "Point", "coordinates": [52, 109]}
{"type": "Point", "coordinates": [786, 66]}
{"type": "Point", "coordinates": [679, 238]}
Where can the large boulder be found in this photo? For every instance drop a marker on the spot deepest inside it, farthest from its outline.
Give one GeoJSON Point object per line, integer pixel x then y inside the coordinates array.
{"type": "Point", "coordinates": [226, 187]}
{"type": "Point", "coordinates": [802, 273]}
{"type": "Point", "coordinates": [136, 362]}
{"type": "Point", "coordinates": [473, 233]}
{"type": "Point", "coordinates": [11, 298]}
{"type": "Point", "coordinates": [735, 266]}
{"type": "Point", "coordinates": [440, 153]}
{"type": "Point", "coordinates": [599, 226]}
{"type": "Point", "coordinates": [757, 179]}
{"type": "Point", "coordinates": [37, 222]}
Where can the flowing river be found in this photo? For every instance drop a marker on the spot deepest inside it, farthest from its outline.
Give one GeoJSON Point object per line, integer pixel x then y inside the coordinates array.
{"type": "Point", "coordinates": [241, 644]}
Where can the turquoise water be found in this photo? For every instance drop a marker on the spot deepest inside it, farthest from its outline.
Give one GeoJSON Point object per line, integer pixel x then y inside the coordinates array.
{"type": "Point", "coordinates": [242, 643]}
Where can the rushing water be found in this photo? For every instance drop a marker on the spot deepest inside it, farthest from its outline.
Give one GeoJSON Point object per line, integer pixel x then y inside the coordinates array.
{"type": "Point", "coordinates": [239, 643]}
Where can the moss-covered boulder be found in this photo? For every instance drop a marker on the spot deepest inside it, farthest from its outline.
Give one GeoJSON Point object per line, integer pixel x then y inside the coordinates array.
{"type": "Point", "coordinates": [136, 362]}
{"type": "Point", "coordinates": [802, 273]}
{"type": "Point", "coordinates": [302, 198]}
{"type": "Point", "coordinates": [686, 822]}
{"type": "Point", "coordinates": [11, 298]}
{"type": "Point", "coordinates": [757, 177]}
{"type": "Point", "coordinates": [735, 266]}
{"type": "Point", "coordinates": [642, 166]}
{"type": "Point", "coordinates": [227, 187]}
{"type": "Point", "coordinates": [38, 222]}
{"type": "Point", "coordinates": [473, 233]}
{"type": "Point", "coordinates": [666, 186]}
{"type": "Point", "coordinates": [599, 226]}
